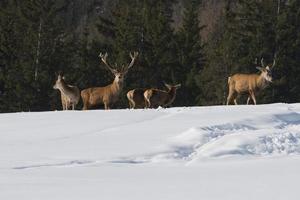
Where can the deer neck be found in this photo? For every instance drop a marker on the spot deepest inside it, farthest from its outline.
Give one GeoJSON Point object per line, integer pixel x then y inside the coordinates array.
{"type": "Point", "coordinates": [116, 86]}
{"type": "Point", "coordinates": [261, 82]}
{"type": "Point", "coordinates": [64, 88]}
{"type": "Point", "coordinates": [172, 95]}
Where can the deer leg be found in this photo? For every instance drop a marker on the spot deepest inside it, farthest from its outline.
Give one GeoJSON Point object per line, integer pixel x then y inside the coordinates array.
{"type": "Point", "coordinates": [84, 106]}
{"type": "Point", "coordinates": [106, 106]}
{"type": "Point", "coordinates": [235, 102]}
{"type": "Point", "coordinates": [148, 104]}
{"type": "Point", "coordinates": [63, 106]}
{"type": "Point", "coordinates": [235, 98]}
{"type": "Point", "coordinates": [131, 104]}
{"type": "Point", "coordinates": [73, 106]}
{"type": "Point", "coordinates": [229, 98]}
{"type": "Point", "coordinates": [253, 97]}
{"type": "Point", "coordinates": [248, 100]}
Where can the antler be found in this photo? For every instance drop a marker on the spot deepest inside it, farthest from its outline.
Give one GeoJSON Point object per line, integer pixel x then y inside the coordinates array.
{"type": "Point", "coordinates": [103, 58]}
{"type": "Point", "coordinates": [274, 60]}
{"type": "Point", "coordinates": [262, 62]}
{"type": "Point", "coordinates": [133, 58]}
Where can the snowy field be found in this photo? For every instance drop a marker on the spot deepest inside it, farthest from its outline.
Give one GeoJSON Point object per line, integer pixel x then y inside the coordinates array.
{"type": "Point", "coordinates": [193, 153]}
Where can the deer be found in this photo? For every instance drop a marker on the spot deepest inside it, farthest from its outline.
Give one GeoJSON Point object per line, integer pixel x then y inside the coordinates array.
{"type": "Point", "coordinates": [249, 83]}
{"type": "Point", "coordinates": [64, 101]}
{"type": "Point", "coordinates": [156, 97]}
{"type": "Point", "coordinates": [108, 94]}
{"type": "Point", "coordinates": [70, 95]}
{"type": "Point", "coordinates": [136, 98]}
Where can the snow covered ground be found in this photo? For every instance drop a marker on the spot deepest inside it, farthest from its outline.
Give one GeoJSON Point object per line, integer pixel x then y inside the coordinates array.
{"type": "Point", "coordinates": [209, 153]}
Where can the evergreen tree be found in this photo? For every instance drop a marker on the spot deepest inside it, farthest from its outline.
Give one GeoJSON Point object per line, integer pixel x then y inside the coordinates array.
{"type": "Point", "coordinates": [190, 54]}
{"type": "Point", "coordinates": [133, 28]}
{"type": "Point", "coordinates": [287, 70]}
{"type": "Point", "coordinates": [121, 35]}
{"type": "Point", "coordinates": [159, 48]}
{"type": "Point", "coordinates": [39, 50]}
{"type": "Point", "coordinates": [11, 33]}
{"type": "Point", "coordinates": [246, 33]}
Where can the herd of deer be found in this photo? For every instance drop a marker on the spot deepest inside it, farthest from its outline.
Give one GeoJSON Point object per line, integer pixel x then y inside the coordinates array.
{"type": "Point", "coordinates": [152, 98]}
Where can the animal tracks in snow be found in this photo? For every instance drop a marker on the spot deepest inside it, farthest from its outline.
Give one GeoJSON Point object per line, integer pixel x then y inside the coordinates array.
{"type": "Point", "coordinates": [72, 163]}
{"type": "Point", "coordinates": [267, 135]}
{"type": "Point", "coordinates": [178, 137]}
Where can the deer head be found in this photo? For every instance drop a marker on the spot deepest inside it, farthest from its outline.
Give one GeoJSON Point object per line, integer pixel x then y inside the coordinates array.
{"type": "Point", "coordinates": [59, 82]}
{"type": "Point", "coordinates": [170, 87]}
{"type": "Point", "coordinates": [119, 73]}
{"type": "Point", "coordinates": [266, 71]}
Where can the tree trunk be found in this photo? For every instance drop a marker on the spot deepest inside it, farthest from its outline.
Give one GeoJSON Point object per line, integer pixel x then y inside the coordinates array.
{"type": "Point", "coordinates": [38, 51]}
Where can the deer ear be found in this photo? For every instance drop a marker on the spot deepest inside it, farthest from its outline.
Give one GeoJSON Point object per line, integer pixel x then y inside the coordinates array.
{"type": "Point", "coordinates": [178, 85]}
{"type": "Point", "coordinates": [268, 68]}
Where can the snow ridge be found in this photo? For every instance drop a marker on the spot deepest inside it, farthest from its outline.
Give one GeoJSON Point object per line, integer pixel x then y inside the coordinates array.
{"type": "Point", "coordinates": [270, 135]}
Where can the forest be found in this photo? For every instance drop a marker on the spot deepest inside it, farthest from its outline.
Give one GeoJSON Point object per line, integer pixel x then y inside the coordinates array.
{"type": "Point", "coordinates": [36, 43]}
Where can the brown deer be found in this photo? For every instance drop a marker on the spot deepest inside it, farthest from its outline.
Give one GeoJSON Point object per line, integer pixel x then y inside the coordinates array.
{"type": "Point", "coordinates": [70, 94]}
{"type": "Point", "coordinates": [155, 97]}
{"type": "Point", "coordinates": [109, 94]}
{"type": "Point", "coordinates": [64, 101]}
{"type": "Point", "coordinates": [249, 83]}
{"type": "Point", "coordinates": [136, 98]}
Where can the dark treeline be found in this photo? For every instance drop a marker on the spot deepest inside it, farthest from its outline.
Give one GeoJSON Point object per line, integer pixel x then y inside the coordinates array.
{"type": "Point", "coordinates": [35, 43]}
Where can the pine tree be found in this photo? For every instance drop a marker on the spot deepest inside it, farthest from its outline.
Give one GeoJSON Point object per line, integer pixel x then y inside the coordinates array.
{"type": "Point", "coordinates": [132, 27]}
{"type": "Point", "coordinates": [287, 70]}
{"type": "Point", "coordinates": [121, 35]}
{"type": "Point", "coordinates": [11, 33]}
{"type": "Point", "coordinates": [159, 50]}
{"type": "Point", "coordinates": [191, 53]}
{"type": "Point", "coordinates": [246, 33]}
{"type": "Point", "coordinates": [39, 49]}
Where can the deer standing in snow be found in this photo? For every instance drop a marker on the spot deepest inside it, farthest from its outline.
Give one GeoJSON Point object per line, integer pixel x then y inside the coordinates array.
{"type": "Point", "coordinates": [136, 98]}
{"type": "Point", "coordinates": [109, 94]}
{"type": "Point", "coordinates": [155, 97]}
{"type": "Point", "coordinates": [249, 83]}
{"type": "Point", "coordinates": [70, 94]}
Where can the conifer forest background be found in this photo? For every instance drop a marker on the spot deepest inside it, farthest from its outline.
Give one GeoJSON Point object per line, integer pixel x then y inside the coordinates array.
{"type": "Point", "coordinates": [192, 42]}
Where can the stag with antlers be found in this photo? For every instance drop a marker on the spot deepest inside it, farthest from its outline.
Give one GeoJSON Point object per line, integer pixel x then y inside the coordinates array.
{"type": "Point", "coordinates": [109, 94]}
{"type": "Point", "coordinates": [249, 83]}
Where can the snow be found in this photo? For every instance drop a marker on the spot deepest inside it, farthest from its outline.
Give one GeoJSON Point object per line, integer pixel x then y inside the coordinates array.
{"type": "Point", "coordinates": [211, 153]}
